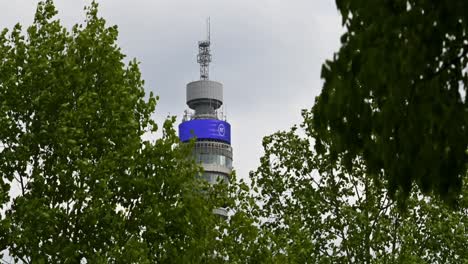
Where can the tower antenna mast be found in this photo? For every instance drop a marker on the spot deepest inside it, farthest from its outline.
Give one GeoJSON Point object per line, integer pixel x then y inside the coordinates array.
{"type": "Point", "coordinates": [208, 28]}
{"type": "Point", "coordinates": [204, 55]}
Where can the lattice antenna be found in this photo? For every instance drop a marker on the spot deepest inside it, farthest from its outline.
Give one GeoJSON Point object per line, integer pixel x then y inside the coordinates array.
{"type": "Point", "coordinates": [204, 56]}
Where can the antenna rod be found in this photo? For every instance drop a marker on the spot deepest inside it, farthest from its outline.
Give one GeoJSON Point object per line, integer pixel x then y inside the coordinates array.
{"type": "Point", "coordinates": [208, 28]}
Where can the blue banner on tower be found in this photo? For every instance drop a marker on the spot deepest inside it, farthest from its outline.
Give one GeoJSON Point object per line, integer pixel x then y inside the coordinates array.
{"type": "Point", "coordinates": [205, 129]}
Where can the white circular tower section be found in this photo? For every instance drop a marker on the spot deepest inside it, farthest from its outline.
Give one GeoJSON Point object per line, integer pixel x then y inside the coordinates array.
{"type": "Point", "coordinates": [203, 93]}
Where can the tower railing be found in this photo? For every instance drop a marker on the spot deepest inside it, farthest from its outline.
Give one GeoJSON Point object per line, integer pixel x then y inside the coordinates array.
{"type": "Point", "coordinates": [216, 115]}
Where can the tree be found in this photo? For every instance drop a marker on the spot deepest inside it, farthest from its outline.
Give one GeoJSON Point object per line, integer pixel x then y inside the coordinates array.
{"type": "Point", "coordinates": [318, 211]}
{"type": "Point", "coordinates": [77, 181]}
{"type": "Point", "coordinates": [395, 94]}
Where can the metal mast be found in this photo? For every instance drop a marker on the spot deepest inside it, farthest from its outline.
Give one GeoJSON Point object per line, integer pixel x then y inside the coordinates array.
{"type": "Point", "coordinates": [204, 56]}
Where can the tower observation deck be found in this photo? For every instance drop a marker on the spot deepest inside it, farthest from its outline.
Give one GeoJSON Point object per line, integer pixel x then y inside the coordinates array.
{"type": "Point", "coordinates": [205, 122]}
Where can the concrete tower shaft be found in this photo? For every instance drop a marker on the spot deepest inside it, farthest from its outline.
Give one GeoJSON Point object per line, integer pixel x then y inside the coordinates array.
{"type": "Point", "coordinates": [213, 135]}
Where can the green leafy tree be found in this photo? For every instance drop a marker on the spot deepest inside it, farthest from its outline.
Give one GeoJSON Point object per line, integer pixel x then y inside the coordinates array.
{"type": "Point", "coordinates": [395, 94]}
{"type": "Point", "coordinates": [318, 211]}
{"type": "Point", "coordinates": [241, 239]}
{"type": "Point", "coordinates": [77, 181]}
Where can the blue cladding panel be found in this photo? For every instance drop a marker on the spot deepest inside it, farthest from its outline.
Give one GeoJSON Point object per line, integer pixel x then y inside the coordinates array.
{"type": "Point", "coordinates": [205, 129]}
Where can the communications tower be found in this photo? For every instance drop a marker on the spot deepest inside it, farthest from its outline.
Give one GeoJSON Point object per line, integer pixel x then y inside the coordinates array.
{"type": "Point", "coordinates": [206, 123]}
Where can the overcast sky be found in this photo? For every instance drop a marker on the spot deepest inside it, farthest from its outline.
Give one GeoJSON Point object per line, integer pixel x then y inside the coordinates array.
{"type": "Point", "coordinates": [268, 55]}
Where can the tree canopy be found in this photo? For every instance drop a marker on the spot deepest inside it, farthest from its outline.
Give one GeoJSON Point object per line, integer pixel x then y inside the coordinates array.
{"type": "Point", "coordinates": [78, 181]}
{"type": "Point", "coordinates": [395, 94]}
{"type": "Point", "coordinates": [317, 211]}
{"type": "Point", "coordinates": [81, 182]}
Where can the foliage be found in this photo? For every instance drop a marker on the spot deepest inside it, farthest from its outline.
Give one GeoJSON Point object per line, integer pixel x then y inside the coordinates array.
{"type": "Point", "coordinates": [395, 94]}
{"type": "Point", "coordinates": [320, 212]}
{"type": "Point", "coordinates": [78, 182]}
{"type": "Point", "coordinates": [241, 240]}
